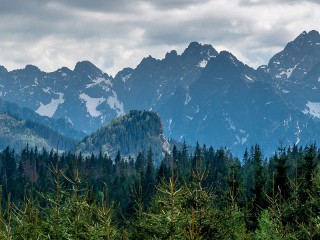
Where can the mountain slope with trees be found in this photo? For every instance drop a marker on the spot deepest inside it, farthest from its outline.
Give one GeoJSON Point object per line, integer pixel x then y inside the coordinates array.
{"type": "Point", "coordinates": [19, 133]}
{"type": "Point", "coordinates": [130, 134]}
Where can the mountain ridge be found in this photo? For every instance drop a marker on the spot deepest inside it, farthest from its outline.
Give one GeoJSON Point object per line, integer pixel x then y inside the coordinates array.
{"type": "Point", "coordinates": [199, 94]}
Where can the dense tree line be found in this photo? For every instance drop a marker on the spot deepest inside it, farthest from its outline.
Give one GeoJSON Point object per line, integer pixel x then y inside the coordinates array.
{"type": "Point", "coordinates": [203, 194]}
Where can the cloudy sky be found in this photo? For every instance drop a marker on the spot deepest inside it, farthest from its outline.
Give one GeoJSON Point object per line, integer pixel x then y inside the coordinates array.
{"type": "Point", "coordinates": [119, 33]}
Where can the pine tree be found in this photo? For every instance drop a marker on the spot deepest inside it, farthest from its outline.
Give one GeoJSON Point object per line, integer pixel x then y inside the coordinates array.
{"type": "Point", "coordinates": [165, 217]}
{"type": "Point", "coordinates": [258, 187]}
{"type": "Point", "coordinates": [281, 174]}
{"type": "Point", "coordinates": [148, 183]}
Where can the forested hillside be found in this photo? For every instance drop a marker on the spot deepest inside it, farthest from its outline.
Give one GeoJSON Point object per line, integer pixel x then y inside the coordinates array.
{"type": "Point", "coordinates": [204, 194]}
{"type": "Point", "coordinates": [130, 133]}
{"type": "Point", "coordinates": [17, 132]}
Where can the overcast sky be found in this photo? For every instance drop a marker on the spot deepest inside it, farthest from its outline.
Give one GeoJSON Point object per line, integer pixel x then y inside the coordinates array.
{"type": "Point", "coordinates": [117, 34]}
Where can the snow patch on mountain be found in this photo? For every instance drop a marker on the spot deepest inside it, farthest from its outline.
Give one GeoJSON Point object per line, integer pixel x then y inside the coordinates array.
{"type": "Point", "coordinates": [231, 124]}
{"type": "Point", "coordinates": [298, 132]}
{"type": "Point", "coordinates": [115, 104]}
{"type": "Point", "coordinates": [94, 82]}
{"type": "Point", "coordinates": [92, 104]}
{"type": "Point", "coordinates": [125, 78]}
{"type": "Point", "coordinates": [36, 83]}
{"type": "Point", "coordinates": [287, 72]}
{"type": "Point", "coordinates": [234, 61]}
{"type": "Point", "coordinates": [313, 108]}
{"type": "Point", "coordinates": [50, 108]}
{"type": "Point", "coordinates": [203, 63]}
{"type": "Point", "coordinates": [99, 81]}
{"type": "Point", "coordinates": [170, 123]}
{"type": "Point", "coordinates": [242, 140]}
{"type": "Point", "coordinates": [197, 110]}
{"type": "Point", "coordinates": [46, 90]}
{"type": "Point", "coordinates": [248, 78]}
{"type": "Point", "coordinates": [188, 98]}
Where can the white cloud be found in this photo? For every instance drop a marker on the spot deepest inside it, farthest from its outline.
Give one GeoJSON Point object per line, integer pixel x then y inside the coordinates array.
{"type": "Point", "coordinates": [118, 34]}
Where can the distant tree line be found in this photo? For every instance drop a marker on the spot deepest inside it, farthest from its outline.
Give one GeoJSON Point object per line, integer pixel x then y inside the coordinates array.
{"type": "Point", "coordinates": [204, 194]}
{"type": "Point", "coordinates": [17, 132]}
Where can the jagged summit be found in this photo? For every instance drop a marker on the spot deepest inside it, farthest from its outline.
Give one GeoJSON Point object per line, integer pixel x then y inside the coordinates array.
{"type": "Point", "coordinates": [3, 69]}
{"type": "Point", "coordinates": [297, 59]}
{"type": "Point", "coordinates": [224, 65]}
{"type": "Point", "coordinates": [197, 48]}
{"type": "Point", "coordinates": [148, 61]}
{"type": "Point", "coordinates": [171, 55]}
{"type": "Point", "coordinates": [84, 67]}
{"type": "Point", "coordinates": [32, 69]}
{"type": "Point", "coordinates": [307, 37]}
{"type": "Point", "coordinates": [64, 71]}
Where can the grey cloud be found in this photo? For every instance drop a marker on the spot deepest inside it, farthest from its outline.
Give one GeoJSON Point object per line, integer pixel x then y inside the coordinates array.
{"type": "Point", "coordinates": [33, 6]}
{"type": "Point", "coordinates": [267, 2]}
{"type": "Point", "coordinates": [116, 34]}
{"type": "Point", "coordinates": [169, 4]}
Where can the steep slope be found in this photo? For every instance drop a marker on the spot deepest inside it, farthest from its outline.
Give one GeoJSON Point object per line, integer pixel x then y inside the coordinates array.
{"type": "Point", "coordinates": [17, 133]}
{"type": "Point", "coordinates": [295, 73]}
{"type": "Point", "coordinates": [87, 98]}
{"type": "Point", "coordinates": [130, 133]}
{"type": "Point", "coordinates": [297, 58]}
{"type": "Point", "coordinates": [154, 81]}
{"type": "Point", "coordinates": [83, 97]}
{"type": "Point", "coordinates": [233, 105]}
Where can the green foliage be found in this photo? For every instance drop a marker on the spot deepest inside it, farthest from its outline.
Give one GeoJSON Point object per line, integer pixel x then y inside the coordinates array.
{"type": "Point", "coordinates": [268, 228]}
{"type": "Point", "coordinates": [206, 194]}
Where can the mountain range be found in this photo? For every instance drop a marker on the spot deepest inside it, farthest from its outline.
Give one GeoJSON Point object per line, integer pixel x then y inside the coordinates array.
{"type": "Point", "coordinates": [200, 95]}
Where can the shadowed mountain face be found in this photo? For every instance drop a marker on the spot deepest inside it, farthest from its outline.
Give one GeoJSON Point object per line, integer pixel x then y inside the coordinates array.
{"type": "Point", "coordinates": [200, 95]}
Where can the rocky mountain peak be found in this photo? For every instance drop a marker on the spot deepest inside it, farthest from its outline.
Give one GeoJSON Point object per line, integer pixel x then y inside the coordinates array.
{"type": "Point", "coordinates": [307, 37]}
{"type": "Point", "coordinates": [85, 67]}
{"type": "Point", "coordinates": [3, 69]}
{"type": "Point", "coordinates": [195, 48]}
{"type": "Point", "coordinates": [224, 63]}
{"type": "Point", "coordinates": [298, 57]}
{"type": "Point", "coordinates": [172, 54]}
{"type": "Point", "coordinates": [148, 61]}
{"type": "Point", "coordinates": [31, 69]}
{"type": "Point", "coordinates": [64, 71]}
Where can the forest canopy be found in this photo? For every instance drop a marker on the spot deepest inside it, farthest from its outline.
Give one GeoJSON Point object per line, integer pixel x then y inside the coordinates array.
{"type": "Point", "coordinates": [205, 193]}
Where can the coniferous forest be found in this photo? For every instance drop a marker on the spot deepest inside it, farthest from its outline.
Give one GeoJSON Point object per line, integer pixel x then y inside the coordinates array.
{"type": "Point", "coordinates": [205, 193]}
